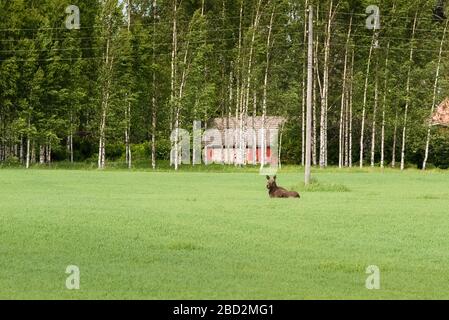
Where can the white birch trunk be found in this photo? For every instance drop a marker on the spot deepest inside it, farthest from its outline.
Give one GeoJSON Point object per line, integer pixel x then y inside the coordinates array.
{"type": "Point", "coordinates": [395, 131]}
{"type": "Point", "coordinates": [365, 93]}
{"type": "Point", "coordinates": [315, 86]}
{"type": "Point", "coordinates": [254, 137]}
{"type": "Point", "coordinates": [351, 91]}
{"type": "Point", "coordinates": [373, 135]}
{"type": "Point", "coordinates": [153, 98]}
{"type": "Point", "coordinates": [41, 154]}
{"type": "Point", "coordinates": [382, 145]}
{"type": "Point", "coordinates": [178, 105]}
{"type": "Point", "coordinates": [407, 101]}
{"type": "Point", "coordinates": [128, 109]}
{"type": "Point", "coordinates": [173, 102]}
{"type": "Point", "coordinates": [49, 152]}
{"type": "Point", "coordinates": [33, 153]}
{"type": "Point", "coordinates": [307, 169]}
{"type": "Point", "coordinates": [346, 129]}
{"type": "Point", "coordinates": [21, 158]}
{"type": "Point", "coordinates": [28, 144]}
{"type": "Point", "coordinates": [324, 98]}
{"type": "Point", "coordinates": [435, 86]}
{"type": "Point", "coordinates": [343, 101]}
{"type": "Point", "coordinates": [239, 91]}
{"type": "Point", "coordinates": [106, 88]}
{"type": "Point", "coordinates": [303, 104]}
{"type": "Point", "coordinates": [231, 98]}
{"type": "Point", "coordinates": [265, 86]}
{"type": "Point", "coordinates": [244, 114]}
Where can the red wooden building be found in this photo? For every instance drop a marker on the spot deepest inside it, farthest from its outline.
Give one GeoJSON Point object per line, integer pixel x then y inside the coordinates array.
{"type": "Point", "coordinates": [228, 145]}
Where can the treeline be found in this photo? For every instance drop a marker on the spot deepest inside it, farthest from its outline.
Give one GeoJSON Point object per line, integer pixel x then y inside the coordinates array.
{"type": "Point", "coordinates": [136, 70]}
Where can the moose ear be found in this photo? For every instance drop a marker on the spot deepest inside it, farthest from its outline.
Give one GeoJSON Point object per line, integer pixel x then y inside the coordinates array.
{"type": "Point", "coordinates": [274, 177]}
{"type": "Point", "coordinates": [268, 177]}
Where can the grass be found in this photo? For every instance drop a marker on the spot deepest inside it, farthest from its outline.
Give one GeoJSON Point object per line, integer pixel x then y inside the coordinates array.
{"type": "Point", "coordinates": [316, 186]}
{"type": "Point", "coordinates": [198, 235]}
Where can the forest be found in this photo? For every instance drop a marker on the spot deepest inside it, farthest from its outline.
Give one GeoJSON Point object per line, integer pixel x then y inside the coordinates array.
{"type": "Point", "coordinates": [114, 87]}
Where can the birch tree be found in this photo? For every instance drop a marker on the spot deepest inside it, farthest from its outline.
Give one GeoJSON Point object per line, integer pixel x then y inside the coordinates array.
{"type": "Point", "coordinates": [324, 98]}
{"type": "Point", "coordinates": [434, 97]}
{"type": "Point", "coordinates": [407, 98]}
{"type": "Point", "coordinates": [384, 105]}
{"type": "Point", "coordinates": [108, 21]}
{"type": "Point", "coordinates": [373, 134]}
{"type": "Point", "coordinates": [343, 100]}
{"type": "Point", "coordinates": [365, 94]}
{"type": "Point", "coordinates": [154, 88]}
{"type": "Point", "coordinates": [265, 86]}
{"type": "Point", "coordinates": [303, 102]}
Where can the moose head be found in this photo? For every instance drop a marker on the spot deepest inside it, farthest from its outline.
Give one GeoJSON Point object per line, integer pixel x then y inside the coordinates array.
{"type": "Point", "coordinates": [271, 183]}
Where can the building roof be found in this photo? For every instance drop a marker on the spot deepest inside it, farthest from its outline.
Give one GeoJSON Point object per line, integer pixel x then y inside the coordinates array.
{"type": "Point", "coordinates": [441, 115]}
{"type": "Point", "coordinates": [271, 122]}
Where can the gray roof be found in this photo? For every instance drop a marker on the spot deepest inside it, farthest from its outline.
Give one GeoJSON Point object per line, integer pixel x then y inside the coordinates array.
{"type": "Point", "coordinates": [271, 122]}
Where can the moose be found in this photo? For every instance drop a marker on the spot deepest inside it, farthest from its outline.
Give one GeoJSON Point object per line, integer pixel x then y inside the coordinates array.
{"type": "Point", "coordinates": [278, 192]}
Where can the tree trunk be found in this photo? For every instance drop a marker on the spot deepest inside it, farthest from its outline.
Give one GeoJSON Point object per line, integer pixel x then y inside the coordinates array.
{"type": "Point", "coordinates": [254, 137]}
{"type": "Point", "coordinates": [28, 144]}
{"type": "Point", "coordinates": [407, 99]}
{"type": "Point", "coordinates": [21, 158]}
{"type": "Point", "coordinates": [316, 86]}
{"type": "Point", "coordinates": [127, 136]}
{"type": "Point", "coordinates": [382, 146]}
{"type": "Point", "coordinates": [265, 86]}
{"type": "Point", "coordinates": [49, 152]}
{"type": "Point", "coordinates": [244, 114]}
{"type": "Point", "coordinates": [41, 154]}
{"type": "Point", "coordinates": [365, 93]}
{"type": "Point", "coordinates": [106, 88]}
{"type": "Point", "coordinates": [128, 110]}
{"type": "Point", "coordinates": [395, 134]}
{"type": "Point", "coordinates": [230, 104]}
{"type": "Point", "coordinates": [33, 153]}
{"type": "Point", "coordinates": [384, 105]}
{"type": "Point", "coordinates": [178, 100]}
{"type": "Point", "coordinates": [351, 91]}
{"type": "Point", "coordinates": [435, 86]}
{"type": "Point", "coordinates": [174, 156]}
{"type": "Point", "coordinates": [280, 147]}
{"type": "Point", "coordinates": [70, 146]}
{"type": "Point", "coordinates": [343, 101]}
{"type": "Point", "coordinates": [373, 135]}
{"type": "Point", "coordinates": [346, 129]}
{"type": "Point", "coordinates": [303, 104]}
{"type": "Point", "coordinates": [314, 121]}
{"type": "Point", "coordinates": [105, 107]}
{"type": "Point", "coordinates": [153, 98]}
{"type": "Point", "coordinates": [324, 98]}
{"type": "Point", "coordinates": [239, 90]}
{"type": "Point", "coordinates": [307, 171]}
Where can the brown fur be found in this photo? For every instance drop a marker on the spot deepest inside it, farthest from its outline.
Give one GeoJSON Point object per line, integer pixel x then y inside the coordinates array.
{"type": "Point", "coordinates": [278, 192]}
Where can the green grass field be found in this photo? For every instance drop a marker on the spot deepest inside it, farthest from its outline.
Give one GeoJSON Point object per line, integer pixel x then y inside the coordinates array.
{"type": "Point", "coordinates": [203, 235]}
